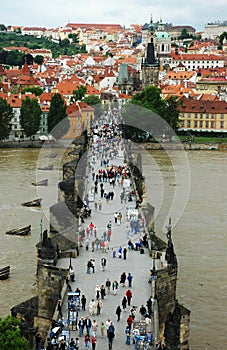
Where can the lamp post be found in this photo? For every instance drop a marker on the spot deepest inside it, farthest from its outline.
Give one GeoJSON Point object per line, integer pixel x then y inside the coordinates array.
{"type": "Point", "coordinates": [41, 232]}
{"type": "Point", "coordinates": [59, 279]}
{"type": "Point", "coordinates": [70, 257]}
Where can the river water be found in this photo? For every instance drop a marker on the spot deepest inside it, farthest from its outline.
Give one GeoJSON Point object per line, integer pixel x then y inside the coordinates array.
{"type": "Point", "coordinates": [188, 186]}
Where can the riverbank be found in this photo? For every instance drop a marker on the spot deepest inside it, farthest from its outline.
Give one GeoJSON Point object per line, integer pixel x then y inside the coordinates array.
{"type": "Point", "coordinates": [148, 146]}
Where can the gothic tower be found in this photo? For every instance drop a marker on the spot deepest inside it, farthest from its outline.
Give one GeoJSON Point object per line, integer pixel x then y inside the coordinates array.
{"type": "Point", "coordinates": [150, 64]}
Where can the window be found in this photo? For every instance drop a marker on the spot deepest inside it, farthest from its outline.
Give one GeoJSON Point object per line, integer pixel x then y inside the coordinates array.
{"type": "Point", "coordinates": [201, 115]}
{"type": "Point", "coordinates": [212, 116]}
{"type": "Point", "coordinates": [195, 124]}
{"type": "Point", "coordinates": [201, 124]}
{"type": "Point", "coordinates": [188, 123]}
{"type": "Point", "coordinates": [207, 124]}
{"type": "Point", "coordinates": [189, 115]}
{"type": "Point", "coordinates": [212, 125]}
{"type": "Point", "coordinates": [222, 116]}
{"type": "Point", "coordinates": [221, 125]}
{"type": "Point", "coordinates": [78, 124]}
{"type": "Point", "coordinates": [207, 116]}
{"type": "Point", "coordinates": [196, 115]}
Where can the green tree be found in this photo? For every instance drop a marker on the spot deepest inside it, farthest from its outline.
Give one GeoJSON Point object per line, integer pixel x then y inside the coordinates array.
{"type": "Point", "coordinates": [78, 94]}
{"type": "Point", "coordinates": [3, 28]}
{"type": "Point", "coordinates": [6, 114]}
{"type": "Point", "coordinates": [15, 58]}
{"type": "Point", "coordinates": [58, 123]}
{"type": "Point", "coordinates": [165, 116]}
{"type": "Point", "coordinates": [33, 89]}
{"type": "Point", "coordinates": [74, 38]}
{"type": "Point", "coordinates": [39, 59]}
{"type": "Point", "coordinates": [64, 43]}
{"type": "Point", "coordinates": [92, 100]}
{"type": "Point", "coordinates": [10, 335]}
{"type": "Point", "coordinates": [30, 116]}
{"type": "Point", "coordinates": [222, 37]}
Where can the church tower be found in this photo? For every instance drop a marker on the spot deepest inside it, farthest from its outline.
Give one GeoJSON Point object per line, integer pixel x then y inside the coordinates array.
{"type": "Point", "coordinates": [150, 64]}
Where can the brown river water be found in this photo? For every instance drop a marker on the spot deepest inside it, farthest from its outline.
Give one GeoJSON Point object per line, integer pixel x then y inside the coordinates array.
{"type": "Point", "coordinates": [192, 192]}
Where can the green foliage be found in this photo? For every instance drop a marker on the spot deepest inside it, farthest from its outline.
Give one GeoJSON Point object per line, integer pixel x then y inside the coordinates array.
{"type": "Point", "coordinates": [3, 28]}
{"type": "Point", "coordinates": [14, 58]}
{"type": "Point", "coordinates": [39, 59]}
{"type": "Point", "coordinates": [74, 38]}
{"type": "Point", "coordinates": [10, 335]}
{"type": "Point", "coordinates": [157, 115]}
{"type": "Point", "coordinates": [222, 37]}
{"type": "Point", "coordinates": [58, 123]}
{"type": "Point", "coordinates": [31, 42]}
{"type": "Point", "coordinates": [78, 94]}
{"type": "Point", "coordinates": [6, 114]}
{"type": "Point", "coordinates": [92, 100]}
{"type": "Point", "coordinates": [30, 116]}
{"type": "Point", "coordinates": [33, 89]}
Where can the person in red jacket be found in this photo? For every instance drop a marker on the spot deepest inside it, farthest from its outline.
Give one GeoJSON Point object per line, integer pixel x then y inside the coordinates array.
{"type": "Point", "coordinates": [129, 296]}
{"type": "Point", "coordinates": [93, 342]}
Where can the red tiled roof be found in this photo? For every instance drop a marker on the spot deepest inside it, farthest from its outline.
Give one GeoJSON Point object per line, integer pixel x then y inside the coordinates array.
{"type": "Point", "coordinates": [200, 106]}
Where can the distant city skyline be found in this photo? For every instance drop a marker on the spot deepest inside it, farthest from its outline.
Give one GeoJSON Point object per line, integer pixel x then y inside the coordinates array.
{"type": "Point", "coordinates": [57, 13]}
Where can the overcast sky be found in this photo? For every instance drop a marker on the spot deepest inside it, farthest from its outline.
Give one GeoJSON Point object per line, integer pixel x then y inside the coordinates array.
{"type": "Point", "coordinates": [57, 13]}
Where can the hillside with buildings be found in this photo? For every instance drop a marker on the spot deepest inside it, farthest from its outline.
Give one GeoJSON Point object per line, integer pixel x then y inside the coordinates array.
{"type": "Point", "coordinates": [119, 62]}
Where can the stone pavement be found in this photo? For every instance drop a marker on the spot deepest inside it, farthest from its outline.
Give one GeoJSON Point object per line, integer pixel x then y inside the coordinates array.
{"type": "Point", "coordinates": [136, 263]}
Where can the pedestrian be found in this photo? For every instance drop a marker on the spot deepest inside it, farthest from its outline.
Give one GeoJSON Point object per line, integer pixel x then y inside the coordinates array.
{"type": "Point", "coordinates": [115, 217]}
{"type": "Point", "coordinates": [87, 242]}
{"type": "Point", "coordinates": [115, 287]}
{"type": "Point", "coordinates": [97, 292]}
{"type": "Point", "coordinates": [128, 334]}
{"type": "Point", "coordinates": [81, 326]}
{"type": "Point", "coordinates": [83, 302]}
{"type": "Point", "coordinates": [118, 312]}
{"type": "Point", "coordinates": [100, 204]}
{"type": "Point", "coordinates": [93, 265]}
{"type": "Point", "coordinates": [62, 345]}
{"type": "Point", "coordinates": [129, 278]}
{"type": "Point", "coordinates": [98, 306]}
{"type": "Point", "coordinates": [103, 263]}
{"type": "Point", "coordinates": [77, 344]}
{"type": "Point", "coordinates": [129, 296]}
{"type": "Point", "coordinates": [72, 344]}
{"type": "Point", "coordinates": [143, 312]}
{"type": "Point", "coordinates": [119, 252]}
{"type": "Point", "coordinates": [71, 274]}
{"type": "Point", "coordinates": [109, 233]}
{"type": "Point", "coordinates": [107, 324]}
{"type": "Point", "coordinates": [102, 291]}
{"type": "Point", "coordinates": [102, 329]}
{"type": "Point", "coordinates": [92, 307]}
{"type": "Point", "coordinates": [130, 321]}
{"type": "Point", "coordinates": [59, 309]}
{"type": "Point", "coordinates": [124, 303]}
{"type": "Point", "coordinates": [87, 341]}
{"type": "Point", "coordinates": [114, 252]}
{"type": "Point", "coordinates": [38, 340]}
{"type": "Point", "coordinates": [89, 266]}
{"type": "Point", "coordinates": [96, 205]}
{"type": "Point", "coordinates": [93, 342]}
{"type": "Point", "coordinates": [87, 324]}
{"type": "Point", "coordinates": [124, 253]}
{"type": "Point", "coordinates": [110, 335]}
{"type": "Point", "coordinates": [94, 327]}
{"type": "Point", "coordinates": [108, 285]}
{"type": "Point", "coordinates": [123, 279]}
{"type": "Point", "coordinates": [127, 232]}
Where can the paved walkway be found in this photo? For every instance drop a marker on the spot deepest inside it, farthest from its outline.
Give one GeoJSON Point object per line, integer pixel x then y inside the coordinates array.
{"type": "Point", "coordinates": [137, 264]}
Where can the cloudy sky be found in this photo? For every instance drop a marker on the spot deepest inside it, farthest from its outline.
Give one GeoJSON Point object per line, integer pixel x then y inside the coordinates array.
{"type": "Point", "coordinates": [57, 13]}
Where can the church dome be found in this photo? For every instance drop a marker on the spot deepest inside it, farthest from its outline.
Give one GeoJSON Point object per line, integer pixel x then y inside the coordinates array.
{"type": "Point", "coordinates": [162, 35]}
